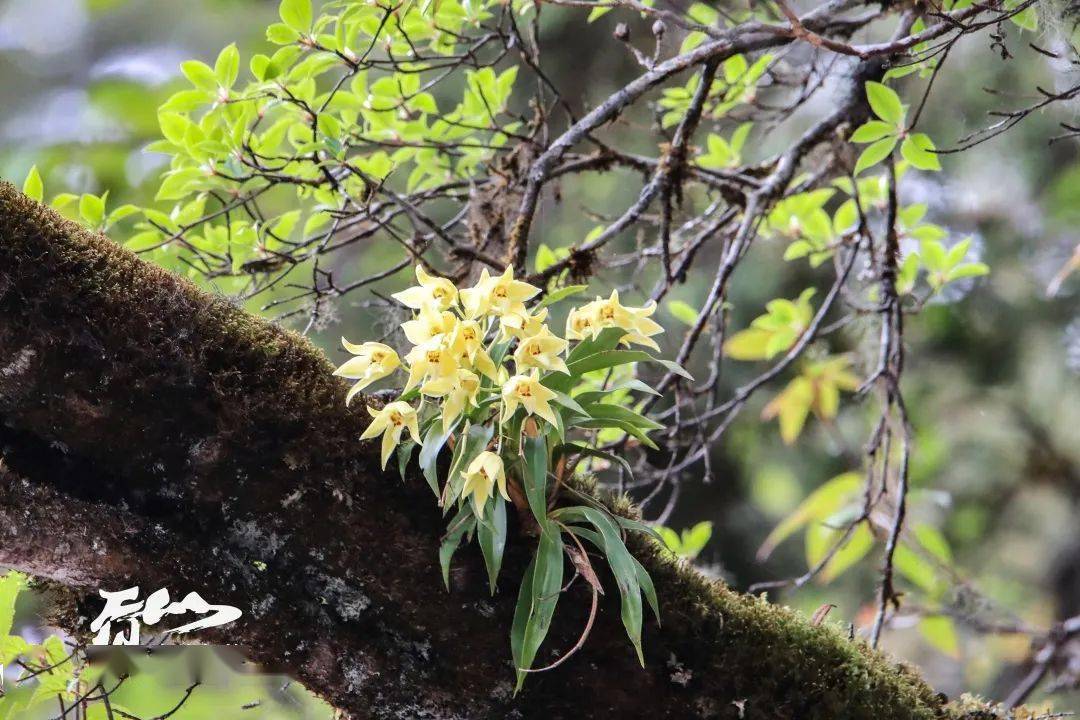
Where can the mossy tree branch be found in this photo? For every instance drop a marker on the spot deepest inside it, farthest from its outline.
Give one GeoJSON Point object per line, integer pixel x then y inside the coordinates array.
{"type": "Point", "coordinates": [153, 434]}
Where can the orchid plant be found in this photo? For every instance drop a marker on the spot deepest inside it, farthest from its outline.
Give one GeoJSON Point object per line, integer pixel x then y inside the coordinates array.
{"type": "Point", "coordinates": [515, 408]}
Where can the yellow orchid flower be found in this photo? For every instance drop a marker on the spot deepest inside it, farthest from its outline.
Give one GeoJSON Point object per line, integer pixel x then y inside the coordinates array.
{"type": "Point", "coordinates": [428, 325]}
{"type": "Point", "coordinates": [458, 393]}
{"type": "Point", "coordinates": [518, 323]}
{"type": "Point", "coordinates": [496, 295]}
{"type": "Point", "coordinates": [542, 351]}
{"type": "Point", "coordinates": [526, 390]}
{"type": "Point", "coordinates": [593, 317]}
{"type": "Point", "coordinates": [431, 361]}
{"type": "Point", "coordinates": [481, 477]}
{"type": "Point", "coordinates": [467, 344]}
{"type": "Point", "coordinates": [391, 421]}
{"type": "Point", "coordinates": [582, 322]}
{"type": "Point", "coordinates": [432, 290]}
{"type": "Point", "coordinates": [373, 361]}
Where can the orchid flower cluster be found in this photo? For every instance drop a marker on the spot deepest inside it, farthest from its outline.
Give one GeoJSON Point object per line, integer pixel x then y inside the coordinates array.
{"type": "Point", "coordinates": [515, 408]}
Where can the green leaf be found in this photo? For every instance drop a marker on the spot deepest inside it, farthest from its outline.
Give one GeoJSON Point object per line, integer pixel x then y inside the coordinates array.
{"type": "Point", "coordinates": [648, 589]}
{"type": "Point", "coordinates": [968, 270]}
{"type": "Point", "coordinates": [200, 75]}
{"type": "Point", "coordinates": [683, 312]}
{"type": "Point", "coordinates": [10, 585]}
{"type": "Point", "coordinates": [92, 209]}
{"type": "Point", "coordinates": [177, 183]}
{"type": "Point", "coordinates": [628, 385]}
{"type": "Point", "coordinates": [821, 538]}
{"type": "Point", "coordinates": [627, 427]}
{"type": "Point", "coordinates": [462, 523]}
{"type": "Point", "coordinates": [599, 12]}
{"type": "Point", "coordinates": [638, 526]}
{"type": "Point", "coordinates": [933, 542]}
{"type": "Point", "coordinates": [433, 442]}
{"type": "Point", "coordinates": [296, 14]}
{"type": "Point", "coordinates": [570, 448]}
{"type": "Point", "coordinates": [606, 339]}
{"type": "Point", "coordinates": [545, 258]}
{"type": "Point", "coordinates": [491, 534]}
{"type": "Point", "coordinates": [173, 126]}
{"type": "Point", "coordinates": [885, 103]}
{"type": "Point", "coordinates": [227, 66]}
{"type": "Point", "coordinates": [875, 153]}
{"type": "Point", "coordinates": [622, 564]}
{"type": "Point", "coordinates": [916, 570]}
{"type": "Point", "coordinates": [613, 358]}
{"type": "Point", "coordinates": [940, 632]}
{"type": "Point", "coordinates": [617, 412]}
{"type": "Point", "coordinates": [561, 294]}
{"type": "Point", "coordinates": [11, 647]}
{"type": "Point", "coordinates": [872, 131]}
{"type": "Point", "coordinates": [537, 598]}
{"type": "Point", "coordinates": [32, 187]}
{"type": "Point", "coordinates": [917, 149]}
{"type": "Point", "coordinates": [1026, 19]}
{"type": "Point", "coordinates": [818, 505]}
{"type": "Point", "coordinates": [281, 34]}
{"type": "Point", "coordinates": [535, 476]}
{"type": "Point", "coordinates": [933, 255]}
{"type": "Point", "coordinates": [570, 403]}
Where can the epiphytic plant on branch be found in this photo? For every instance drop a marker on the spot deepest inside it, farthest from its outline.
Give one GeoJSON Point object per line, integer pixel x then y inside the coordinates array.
{"type": "Point", "coordinates": [516, 435]}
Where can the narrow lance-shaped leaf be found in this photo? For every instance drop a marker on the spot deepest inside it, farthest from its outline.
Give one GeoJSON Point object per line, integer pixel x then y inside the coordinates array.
{"type": "Point", "coordinates": [537, 598]}
{"type": "Point", "coordinates": [491, 534]}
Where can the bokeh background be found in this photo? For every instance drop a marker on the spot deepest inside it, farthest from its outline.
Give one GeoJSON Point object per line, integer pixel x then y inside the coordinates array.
{"type": "Point", "coordinates": [993, 380]}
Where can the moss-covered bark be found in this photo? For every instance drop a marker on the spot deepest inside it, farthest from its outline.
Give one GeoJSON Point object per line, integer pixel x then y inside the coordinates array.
{"type": "Point", "coordinates": [213, 445]}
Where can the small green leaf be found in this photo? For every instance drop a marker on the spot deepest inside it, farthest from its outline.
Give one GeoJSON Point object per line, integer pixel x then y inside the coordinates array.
{"type": "Point", "coordinates": [599, 12]}
{"type": "Point", "coordinates": [968, 270]}
{"type": "Point", "coordinates": [917, 149]}
{"type": "Point", "coordinates": [92, 209]}
{"type": "Point", "coordinates": [933, 542]}
{"type": "Point", "coordinates": [545, 258]}
{"type": "Point", "coordinates": [11, 584]}
{"type": "Point", "coordinates": [227, 67]}
{"type": "Point", "coordinates": [940, 632]}
{"type": "Point", "coordinates": [683, 312]}
{"type": "Point", "coordinates": [818, 505]}
{"type": "Point", "coordinates": [602, 411]}
{"type": "Point", "coordinates": [916, 570]}
{"type": "Point", "coordinates": [281, 34]}
{"type": "Point", "coordinates": [872, 131]}
{"type": "Point", "coordinates": [561, 294]}
{"type": "Point", "coordinates": [462, 523]}
{"type": "Point", "coordinates": [200, 75]}
{"type": "Point", "coordinates": [491, 534]}
{"type": "Point", "coordinates": [875, 153]}
{"type": "Point", "coordinates": [32, 187]}
{"type": "Point", "coordinates": [885, 103]}
{"type": "Point", "coordinates": [434, 441]}
{"type": "Point", "coordinates": [296, 14]}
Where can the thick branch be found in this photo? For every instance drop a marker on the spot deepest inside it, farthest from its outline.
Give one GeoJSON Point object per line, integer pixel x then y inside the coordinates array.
{"type": "Point", "coordinates": [163, 424]}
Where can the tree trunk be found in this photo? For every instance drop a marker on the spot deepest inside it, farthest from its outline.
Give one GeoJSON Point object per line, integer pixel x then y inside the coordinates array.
{"type": "Point", "coordinates": [152, 434]}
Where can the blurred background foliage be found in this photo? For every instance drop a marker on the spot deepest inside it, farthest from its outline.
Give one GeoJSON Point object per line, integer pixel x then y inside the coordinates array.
{"type": "Point", "coordinates": [992, 382]}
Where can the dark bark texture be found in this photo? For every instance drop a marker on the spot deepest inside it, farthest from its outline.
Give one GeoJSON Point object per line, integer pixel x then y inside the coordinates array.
{"type": "Point", "coordinates": [153, 434]}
